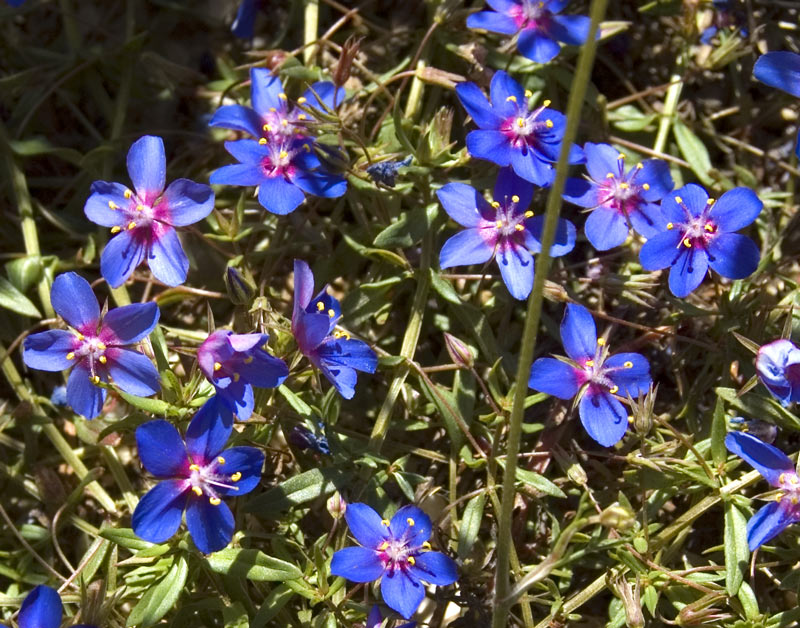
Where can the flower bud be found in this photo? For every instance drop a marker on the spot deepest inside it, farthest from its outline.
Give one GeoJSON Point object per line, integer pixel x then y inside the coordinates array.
{"type": "Point", "coordinates": [240, 288]}
{"type": "Point", "coordinates": [617, 517]}
{"type": "Point", "coordinates": [459, 352]}
{"type": "Point", "coordinates": [349, 52]}
{"type": "Point", "coordinates": [336, 505]}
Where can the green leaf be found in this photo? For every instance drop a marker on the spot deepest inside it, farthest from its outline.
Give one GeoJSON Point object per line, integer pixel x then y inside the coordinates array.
{"type": "Point", "coordinates": [408, 229]}
{"type": "Point", "coordinates": [630, 119]}
{"type": "Point", "coordinates": [158, 599]}
{"type": "Point", "coordinates": [536, 481]}
{"type": "Point", "coordinates": [252, 564]}
{"type": "Point", "coordinates": [153, 406]}
{"type": "Point", "coordinates": [126, 538]}
{"type": "Point", "coordinates": [379, 255]}
{"type": "Point", "coordinates": [737, 552]}
{"type": "Point", "coordinates": [756, 405]}
{"type": "Point", "coordinates": [446, 404]}
{"type": "Point", "coordinates": [272, 605]}
{"type": "Point", "coordinates": [749, 601]}
{"type": "Point", "coordinates": [43, 146]}
{"type": "Point", "coordinates": [298, 490]}
{"type": "Point", "coordinates": [12, 299]}
{"type": "Point", "coordinates": [298, 405]}
{"type": "Point", "coordinates": [718, 431]}
{"type": "Point", "coordinates": [470, 525]}
{"type": "Point", "coordinates": [694, 151]}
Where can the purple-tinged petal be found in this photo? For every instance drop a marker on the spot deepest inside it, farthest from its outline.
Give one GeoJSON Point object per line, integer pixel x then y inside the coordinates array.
{"type": "Point", "coordinates": [147, 167]}
{"type": "Point", "coordinates": [374, 619]}
{"type": "Point", "coordinates": [161, 449]}
{"type": "Point", "coordinates": [343, 378]}
{"type": "Point", "coordinates": [245, 460]}
{"type": "Point", "coordinates": [188, 202]}
{"type": "Point", "coordinates": [733, 255]}
{"type": "Point", "coordinates": [47, 350]}
{"type": "Point", "coordinates": [735, 209]}
{"type": "Point", "coordinates": [366, 525]}
{"type": "Point", "coordinates": [352, 353]}
{"type": "Point", "coordinates": [492, 22]}
{"type": "Point", "coordinates": [211, 526]}
{"type": "Point", "coordinates": [530, 167]}
{"type": "Point", "coordinates": [571, 29]}
{"type": "Point", "coordinates": [606, 228]}
{"type": "Point", "coordinates": [264, 371]}
{"type": "Point", "coordinates": [133, 372]}
{"type": "Point", "coordinates": [434, 567]}
{"type": "Point", "coordinates": [278, 196]}
{"type": "Point", "coordinates": [239, 398]}
{"type": "Point", "coordinates": [555, 377]}
{"type": "Point", "coordinates": [238, 118]}
{"type": "Point", "coordinates": [490, 145]}
{"type": "Point", "coordinates": [661, 250]}
{"type": "Point", "coordinates": [41, 608]}
{"type": "Point", "coordinates": [320, 183]}
{"type": "Point", "coordinates": [688, 272]}
{"type": "Point", "coordinates": [536, 46]}
{"type": "Point", "coordinates": [631, 373]}
{"type": "Point", "coordinates": [516, 268]}
{"type": "Point", "coordinates": [158, 514]}
{"type": "Point", "coordinates": [655, 172]}
{"type": "Point", "coordinates": [603, 417]}
{"type": "Point", "coordinates": [402, 592]}
{"type": "Point", "coordinates": [506, 95]}
{"type": "Point", "coordinates": [469, 246]}
{"type": "Point", "coordinates": [238, 174]}
{"type": "Point", "coordinates": [581, 192]}
{"type": "Point", "coordinates": [578, 332]}
{"type": "Point", "coordinates": [769, 461]}
{"type": "Point", "coordinates": [563, 242]}
{"type": "Point", "coordinates": [503, 6]}
{"type": "Point", "coordinates": [602, 159]}
{"type": "Point", "coordinates": [412, 524]}
{"type": "Point", "coordinates": [478, 106]}
{"type": "Point", "coordinates": [357, 564]}
{"type": "Point", "coordinates": [103, 196]}
{"type": "Point", "coordinates": [130, 323]}
{"type": "Point", "coordinates": [167, 260]}
{"type": "Point", "coordinates": [120, 257]}
{"type": "Point", "coordinates": [82, 396]}
{"type": "Point", "coordinates": [244, 24]}
{"type": "Point", "coordinates": [310, 330]}
{"type": "Point", "coordinates": [246, 342]}
{"type": "Point", "coordinates": [463, 203]}
{"type": "Point", "coordinates": [509, 184]}
{"type": "Point", "coordinates": [303, 286]}
{"type": "Point", "coordinates": [265, 90]}
{"type": "Point", "coordinates": [769, 522]}
{"type": "Point", "coordinates": [74, 301]}
{"type": "Point", "coordinates": [780, 70]}
{"type": "Point", "coordinates": [778, 367]}
{"type": "Point", "coordinates": [208, 431]}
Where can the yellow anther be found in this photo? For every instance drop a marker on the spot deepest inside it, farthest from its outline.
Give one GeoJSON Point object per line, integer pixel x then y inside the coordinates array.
{"type": "Point", "coordinates": [546, 103]}
{"type": "Point", "coordinates": [670, 226]}
{"type": "Point", "coordinates": [194, 467]}
{"type": "Point", "coordinates": [520, 122]}
{"type": "Point", "coordinates": [282, 96]}
{"type": "Point", "coordinates": [793, 479]}
{"type": "Point", "coordinates": [71, 355]}
{"type": "Point", "coordinates": [529, 214]}
{"type": "Point", "coordinates": [263, 141]}
{"type": "Point", "coordinates": [710, 201]}
{"type": "Point", "coordinates": [687, 243]}
{"type": "Point", "coordinates": [778, 496]}
{"type": "Point", "coordinates": [385, 522]}
{"type": "Point", "coordinates": [217, 366]}
{"type": "Point", "coordinates": [528, 93]}
{"type": "Point", "coordinates": [283, 154]}
{"type": "Point", "coordinates": [81, 336]}
{"type": "Point", "coordinates": [103, 359]}
{"type": "Point", "coordinates": [613, 390]}
{"type": "Point", "coordinates": [548, 123]}
{"type": "Point", "coordinates": [302, 100]}
{"type": "Point", "coordinates": [321, 306]}
{"type": "Point", "coordinates": [621, 156]}
{"type": "Point", "coordinates": [112, 205]}
{"type": "Point", "coordinates": [116, 229]}
{"type": "Point", "coordinates": [236, 476]}
{"type": "Point", "coordinates": [511, 99]}
{"type": "Point", "coordinates": [302, 116]}
{"type": "Point", "coordinates": [499, 224]}
{"type": "Point", "coordinates": [639, 166]}
{"type": "Point", "coordinates": [272, 109]}
{"type": "Point", "coordinates": [344, 334]}
{"type": "Point", "coordinates": [248, 359]}
{"type": "Point", "coordinates": [214, 501]}
{"type": "Point", "coordinates": [426, 545]}
{"type": "Point", "coordinates": [782, 478]}
{"type": "Point", "coordinates": [514, 198]}
{"type": "Point", "coordinates": [610, 175]}
{"type": "Point", "coordinates": [678, 200]}
{"type": "Point", "coordinates": [628, 364]}
{"type": "Point", "coordinates": [383, 545]}
{"type": "Point", "coordinates": [331, 313]}
{"type": "Point", "coordinates": [197, 491]}
{"type": "Point", "coordinates": [267, 127]}
{"type": "Point", "coordinates": [589, 362]}
{"type": "Point", "coordinates": [645, 186]}
{"type": "Point", "coordinates": [140, 208]}
{"type": "Point", "coordinates": [127, 194]}
{"type": "Point", "coordinates": [236, 377]}
{"type": "Point", "coordinates": [220, 459]}
{"type": "Point", "coordinates": [624, 185]}
{"type": "Point", "coordinates": [307, 148]}
{"type": "Point", "coordinates": [410, 521]}
{"type": "Point", "coordinates": [284, 123]}
{"type": "Point", "coordinates": [412, 560]}
{"type": "Point", "coordinates": [601, 341]}
{"type": "Point", "coordinates": [495, 204]}
{"type": "Point", "coordinates": [630, 418]}
{"type": "Point", "coordinates": [131, 225]}
{"type": "Point", "coordinates": [709, 227]}
{"type": "Point", "coordinates": [519, 227]}
{"type": "Point", "coordinates": [101, 346]}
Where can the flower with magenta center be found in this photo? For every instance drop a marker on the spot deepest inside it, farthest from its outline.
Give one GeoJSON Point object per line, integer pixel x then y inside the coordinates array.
{"type": "Point", "coordinates": [504, 229]}
{"type": "Point", "coordinates": [396, 551]}
{"type": "Point", "coordinates": [511, 134]}
{"type": "Point", "coordinates": [98, 348]}
{"type": "Point", "coordinates": [195, 476]}
{"type": "Point", "coordinates": [235, 363]}
{"type": "Point", "coordinates": [780, 70]}
{"type": "Point", "coordinates": [618, 199]}
{"type": "Point", "coordinates": [779, 471]}
{"type": "Point", "coordinates": [778, 368]}
{"type": "Point", "coordinates": [592, 376]}
{"type": "Point", "coordinates": [42, 608]}
{"type": "Point", "coordinates": [333, 352]}
{"type": "Point", "coordinates": [539, 26]}
{"type": "Point", "coordinates": [696, 232]}
{"type": "Point", "coordinates": [144, 219]}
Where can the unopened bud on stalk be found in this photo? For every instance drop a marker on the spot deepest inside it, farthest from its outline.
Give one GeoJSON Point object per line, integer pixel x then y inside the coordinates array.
{"type": "Point", "coordinates": [349, 52]}
{"type": "Point", "coordinates": [459, 352]}
{"type": "Point", "coordinates": [240, 288]}
{"type": "Point", "coordinates": [336, 505]}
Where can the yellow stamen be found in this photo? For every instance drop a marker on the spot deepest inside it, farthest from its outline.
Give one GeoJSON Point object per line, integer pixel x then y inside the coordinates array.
{"type": "Point", "coordinates": [514, 198]}
{"type": "Point", "coordinates": [610, 175]}
{"type": "Point", "coordinates": [519, 227]}
{"type": "Point", "coordinates": [302, 116]}
{"type": "Point", "coordinates": [495, 204]}
{"type": "Point", "coordinates": [412, 560]}
{"type": "Point", "coordinates": [112, 205]}
{"type": "Point", "coordinates": [528, 93]}
{"type": "Point", "coordinates": [194, 467]}
{"type": "Point", "coordinates": [601, 341]}
{"type": "Point", "coordinates": [410, 521]}
{"type": "Point", "coordinates": [529, 214]}
{"type": "Point", "coordinates": [263, 141]}
{"type": "Point", "coordinates": [116, 229]}
{"type": "Point", "coordinates": [283, 154]}
{"type": "Point", "coordinates": [214, 501]}
{"type": "Point", "coordinates": [778, 496]}
{"type": "Point", "coordinates": [71, 356]}
{"type": "Point", "coordinates": [621, 156]}
{"type": "Point", "coordinates": [678, 200]}
{"type": "Point", "coordinates": [197, 491]}
{"type": "Point", "coordinates": [127, 194]}
{"type": "Point", "coordinates": [267, 127]}
{"type": "Point", "coordinates": [511, 99]}
{"type": "Point", "coordinates": [131, 225]}
{"type": "Point", "coordinates": [782, 478]}
{"type": "Point", "coordinates": [236, 377]}
{"type": "Point", "coordinates": [589, 362]}
{"type": "Point", "coordinates": [426, 545]}
{"type": "Point", "coordinates": [282, 96]}
{"type": "Point", "coordinates": [140, 207]}
{"type": "Point", "coordinates": [624, 186]}
{"type": "Point", "coordinates": [385, 522]}
{"type": "Point", "coordinates": [499, 224]}
{"type": "Point", "coordinates": [101, 346]}
{"type": "Point", "coordinates": [548, 124]}
{"type": "Point", "coordinates": [710, 201]}
{"type": "Point", "coordinates": [321, 306]}
{"type": "Point", "coordinates": [646, 186]}
{"type": "Point", "coordinates": [248, 359]}
{"type": "Point", "coordinates": [272, 109]}
{"type": "Point", "coordinates": [302, 100]}
{"type": "Point", "coordinates": [103, 359]}
{"type": "Point", "coordinates": [81, 336]}
{"type": "Point", "coordinates": [217, 366]}
{"type": "Point", "coordinates": [709, 228]}
{"type": "Point", "coordinates": [284, 123]}
{"type": "Point", "coordinates": [331, 313]}
{"type": "Point", "coordinates": [307, 148]}
{"type": "Point", "coordinates": [96, 379]}
{"type": "Point", "coordinates": [628, 364]}
{"type": "Point", "coordinates": [546, 103]}
{"type": "Point", "coordinates": [236, 476]}
{"type": "Point", "coordinates": [220, 459]}
{"type": "Point", "coordinates": [613, 390]}
{"type": "Point", "coordinates": [639, 166]}
{"type": "Point", "coordinates": [520, 122]}
{"type": "Point", "coordinates": [793, 479]}
{"type": "Point", "coordinates": [670, 226]}
{"type": "Point", "coordinates": [687, 243]}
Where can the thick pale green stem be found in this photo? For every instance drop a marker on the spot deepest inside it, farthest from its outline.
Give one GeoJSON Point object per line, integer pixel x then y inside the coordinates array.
{"type": "Point", "coordinates": [574, 106]}
{"type": "Point", "coordinates": [311, 23]}
{"type": "Point", "coordinates": [670, 104]}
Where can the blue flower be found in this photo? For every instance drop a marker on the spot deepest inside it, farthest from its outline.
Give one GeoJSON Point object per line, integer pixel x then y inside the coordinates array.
{"type": "Point", "coordinates": [97, 349]}
{"type": "Point", "coordinates": [617, 199]}
{"type": "Point", "coordinates": [386, 171]}
{"type": "Point", "coordinates": [235, 363]}
{"type": "Point", "coordinates": [778, 368]}
{"type": "Point", "coordinates": [697, 232]}
{"type": "Point", "coordinates": [592, 376]}
{"type": "Point", "coordinates": [780, 70]}
{"type": "Point", "coordinates": [196, 476]}
{"type": "Point", "coordinates": [145, 218]}
{"type": "Point", "coordinates": [779, 471]}
{"type": "Point", "coordinates": [396, 551]}
{"type": "Point", "coordinates": [244, 23]}
{"type": "Point", "coordinates": [333, 352]}
{"type": "Point", "coordinates": [42, 608]}
{"type": "Point", "coordinates": [540, 28]}
{"type": "Point", "coordinates": [505, 229]}
{"type": "Point", "coordinates": [304, 438]}
{"type": "Point", "coordinates": [511, 134]}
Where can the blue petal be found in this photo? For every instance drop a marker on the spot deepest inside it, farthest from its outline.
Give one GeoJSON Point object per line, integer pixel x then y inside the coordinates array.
{"type": "Point", "coordinates": [238, 118]}
{"type": "Point", "coordinates": [265, 90]}
{"type": "Point", "coordinates": [631, 380]}
{"type": "Point", "coordinates": [352, 353]}
{"type": "Point", "coordinates": [780, 70]}
{"type": "Point", "coordinates": [603, 417]}
{"type": "Point", "coordinates": [507, 95]}
{"type": "Point", "coordinates": [248, 151]}
{"type": "Point", "coordinates": [688, 272]}
{"type": "Point", "coordinates": [238, 174]}
{"type": "Point", "coordinates": [374, 619]}
{"type": "Point", "coordinates": [768, 522]}
{"type": "Point", "coordinates": [278, 196]}
{"type": "Point", "coordinates": [120, 257]}
{"type": "Point", "coordinates": [158, 514]}
{"type": "Point", "coordinates": [733, 255]}
{"type": "Point", "coordinates": [41, 609]}
{"type": "Point", "coordinates": [530, 167]}
{"type": "Point", "coordinates": [509, 184]}
{"type": "Point", "coordinates": [661, 250]}
{"type": "Point", "coordinates": [303, 287]}
{"type": "Point", "coordinates": [188, 202]}
{"type": "Point", "coordinates": [693, 196]}
{"type": "Point", "coordinates": [490, 145]}
{"type": "Point", "coordinates": [47, 350]}
{"type": "Point", "coordinates": [503, 6]}
{"type": "Point", "coordinates": [161, 449]}
{"type": "Point", "coordinates": [466, 247]}
{"type": "Point", "coordinates": [602, 159]}
{"type": "Point", "coordinates": [365, 525]}
{"type": "Point", "coordinates": [769, 461]}
{"type": "Point", "coordinates": [735, 209]}
{"type": "Point", "coordinates": [320, 183]}
{"type": "Point", "coordinates": [581, 192]}
{"type": "Point", "coordinates": [477, 106]}
{"type": "Point", "coordinates": [563, 242]}
{"type": "Point", "coordinates": [434, 567]}
{"type": "Point", "coordinates": [536, 46]}
{"type": "Point", "coordinates": [554, 377]}
{"type": "Point", "coordinates": [167, 260]}
{"type": "Point", "coordinates": [208, 431]}
{"type": "Point", "coordinates": [402, 593]}
{"type": "Point", "coordinates": [211, 526]}
{"type": "Point", "coordinates": [647, 220]}
{"type": "Point", "coordinates": [492, 22]}
{"type": "Point", "coordinates": [97, 207]}
{"type": "Point", "coordinates": [264, 371]}
{"type": "Point", "coordinates": [463, 203]}
{"type": "Point", "coordinates": [239, 398]}
{"type": "Point", "coordinates": [247, 343]}
{"type": "Point", "coordinates": [310, 330]}
{"type": "Point", "coordinates": [245, 460]}
{"type": "Point", "coordinates": [133, 372]}
{"type": "Point", "coordinates": [73, 300]}
{"type": "Point", "coordinates": [655, 172]}
{"type": "Point", "coordinates": [773, 365]}
{"type": "Point", "coordinates": [516, 268]}
{"type": "Point", "coordinates": [324, 92]}
{"type": "Point", "coordinates": [343, 378]}
{"type": "Point", "coordinates": [83, 396]}
{"type": "Point", "coordinates": [606, 228]}
{"type": "Point", "coordinates": [578, 332]}
{"type": "Point", "coordinates": [412, 524]}
{"type": "Point", "coordinates": [131, 323]}
{"type": "Point", "coordinates": [357, 564]}
{"type": "Point", "coordinates": [244, 24]}
{"type": "Point", "coordinates": [571, 29]}
{"type": "Point", "coordinates": [147, 167]}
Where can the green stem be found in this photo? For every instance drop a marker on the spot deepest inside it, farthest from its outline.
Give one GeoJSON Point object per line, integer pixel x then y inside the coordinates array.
{"type": "Point", "coordinates": [310, 25]}
{"type": "Point", "coordinates": [670, 104]}
{"type": "Point", "coordinates": [574, 106]}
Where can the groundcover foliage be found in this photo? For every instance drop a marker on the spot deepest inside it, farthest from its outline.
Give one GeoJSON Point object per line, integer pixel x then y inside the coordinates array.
{"type": "Point", "coordinates": [451, 313]}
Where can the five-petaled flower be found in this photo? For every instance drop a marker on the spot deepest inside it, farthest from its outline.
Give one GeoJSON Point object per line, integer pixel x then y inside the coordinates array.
{"type": "Point", "coordinates": [98, 349]}
{"type": "Point", "coordinates": [512, 134]}
{"type": "Point", "coordinates": [779, 471]}
{"type": "Point", "coordinates": [42, 608]}
{"type": "Point", "coordinates": [314, 320]}
{"type": "Point", "coordinates": [697, 232]}
{"type": "Point", "coordinates": [617, 199]}
{"type": "Point", "coordinates": [505, 229]}
{"type": "Point", "coordinates": [396, 551]}
{"type": "Point", "coordinates": [145, 218]}
{"type": "Point", "coordinates": [593, 375]}
{"type": "Point", "coordinates": [778, 368]}
{"type": "Point", "coordinates": [195, 476]}
{"type": "Point", "coordinates": [539, 26]}
{"type": "Point", "coordinates": [780, 70]}
{"type": "Point", "coordinates": [235, 363]}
